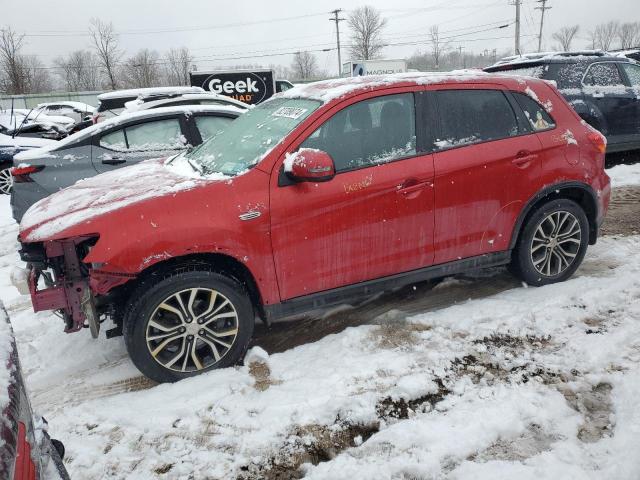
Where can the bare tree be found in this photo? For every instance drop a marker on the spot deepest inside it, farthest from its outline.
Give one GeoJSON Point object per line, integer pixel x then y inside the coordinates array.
{"type": "Point", "coordinates": [366, 26]}
{"type": "Point", "coordinates": [37, 78]}
{"type": "Point", "coordinates": [79, 70]}
{"type": "Point", "coordinates": [605, 33]}
{"type": "Point", "coordinates": [143, 69]}
{"type": "Point", "coordinates": [178, 63]}
{"type": "Point", "coordinates": [565, 36]}
{"type": "Point", "coordinates": [304, 66]}
{"type": "Point", "coordinates": [629, 34]}
{"type": "Point", "coordinates": [13, 80]}
{"type": "Point", "coordinates": [105, 43]}
{"type": "Point", "coordinates": [438, 47]}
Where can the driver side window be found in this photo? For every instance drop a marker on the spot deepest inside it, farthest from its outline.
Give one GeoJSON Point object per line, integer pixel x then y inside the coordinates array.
{"type": "Point", "coordinates": [367, 133]}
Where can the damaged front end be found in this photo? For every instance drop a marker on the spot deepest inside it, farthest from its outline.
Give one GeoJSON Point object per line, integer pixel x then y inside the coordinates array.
{"type": "Point", "coordinates": [57, 266]}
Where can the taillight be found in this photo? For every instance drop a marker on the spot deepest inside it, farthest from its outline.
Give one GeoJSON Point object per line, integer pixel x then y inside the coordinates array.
{"type": "Point", "coordinates": [24, 468]}
{"type": "Point", "coordinates": [21, 174]}
{"type": "Point", "coordinates": [598, 140]}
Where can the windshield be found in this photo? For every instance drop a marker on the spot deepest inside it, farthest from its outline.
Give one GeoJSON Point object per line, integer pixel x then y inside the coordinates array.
{"type": "Point", "coordinates": [248, 139]}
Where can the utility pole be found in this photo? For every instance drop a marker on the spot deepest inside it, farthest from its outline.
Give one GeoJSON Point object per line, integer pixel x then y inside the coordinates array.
{"type": "Point", "coordinates": [463, 61]}
{"type": "Point", "coordinates": [336, 18]}
{"type": "Point", "coordinates": [517, 3]}
{"type": "Point", "coordinates": [542, 8]}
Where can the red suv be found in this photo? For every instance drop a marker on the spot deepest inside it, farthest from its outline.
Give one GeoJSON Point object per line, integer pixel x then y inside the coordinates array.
{"type": "Point", "coordinates": [323, 195]}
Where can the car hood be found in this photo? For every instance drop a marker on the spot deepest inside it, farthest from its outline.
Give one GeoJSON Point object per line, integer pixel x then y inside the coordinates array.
{"type": "Point", "coordinates": [101, 194]}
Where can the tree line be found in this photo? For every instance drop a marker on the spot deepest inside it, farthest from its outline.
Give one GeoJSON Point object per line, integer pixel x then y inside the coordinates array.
{"type": "Point", "coordinates": [605, 36]}
{"type": "Point", "coordinates": [102, 65]}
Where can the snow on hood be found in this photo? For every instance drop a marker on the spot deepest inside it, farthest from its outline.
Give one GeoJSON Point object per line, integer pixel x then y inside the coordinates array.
{"type": "Point", "coordinates": [8, 141]}
{"type": "Point", "coordinates": [110, 191]}
{"type": "Point", "coordinates": [328, 90]}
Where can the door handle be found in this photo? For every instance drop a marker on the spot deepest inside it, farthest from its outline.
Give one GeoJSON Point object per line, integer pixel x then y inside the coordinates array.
{"type": "Point", "coordinates": [524, 158]}
{"type": "Point", "coordinates": [411, 186]}
{"type": "Point", "coordinates": [113, 161]}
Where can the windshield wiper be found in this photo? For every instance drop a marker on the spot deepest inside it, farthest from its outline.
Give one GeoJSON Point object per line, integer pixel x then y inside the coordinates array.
{"type": "Point", "coordinates": [196, 169]}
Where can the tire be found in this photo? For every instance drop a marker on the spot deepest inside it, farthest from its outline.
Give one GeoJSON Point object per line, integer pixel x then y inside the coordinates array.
{"type": "Point", "coordinates": [6, 180]}
{"type": "Point", "coordinates": [160, 326]}
{"type": "Point", "coordinates": [545, 254]}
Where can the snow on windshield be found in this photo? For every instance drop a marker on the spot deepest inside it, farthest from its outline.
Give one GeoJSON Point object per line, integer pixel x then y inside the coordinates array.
{"type": "Point", "coordinates": [252, 136]}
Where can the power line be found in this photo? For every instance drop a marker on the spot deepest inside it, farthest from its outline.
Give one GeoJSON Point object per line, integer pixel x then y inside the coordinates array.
{"type": "Point", "coordinates": [79, 33]}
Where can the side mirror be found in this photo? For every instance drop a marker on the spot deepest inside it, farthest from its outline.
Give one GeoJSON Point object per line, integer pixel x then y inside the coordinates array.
{"type": "Point", "coordinates": [309, 165]}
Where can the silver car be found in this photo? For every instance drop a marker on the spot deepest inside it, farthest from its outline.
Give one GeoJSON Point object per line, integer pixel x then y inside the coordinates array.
{"type": "Point", "coordinates": [114, 143]}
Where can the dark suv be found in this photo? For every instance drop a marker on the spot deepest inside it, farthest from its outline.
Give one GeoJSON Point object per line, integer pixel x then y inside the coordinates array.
{"type": "Point", "coordinates": [603, 89]}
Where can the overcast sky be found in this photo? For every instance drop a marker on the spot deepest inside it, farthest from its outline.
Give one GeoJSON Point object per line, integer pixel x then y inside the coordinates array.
{"type": "Point", "coordinates": [218, 32]}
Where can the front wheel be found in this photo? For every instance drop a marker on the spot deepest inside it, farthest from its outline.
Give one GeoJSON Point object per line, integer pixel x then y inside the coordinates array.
{"type": "Point", "coordinates": [553, 243]}
{"type": "Point", "coordinates": [186, 324]}
{"type": "Point", "coordinates": [6, 180]}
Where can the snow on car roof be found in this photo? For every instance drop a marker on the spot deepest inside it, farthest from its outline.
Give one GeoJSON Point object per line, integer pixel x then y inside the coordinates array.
{"type": "Point", "coordinates": [134, 92]}
{"type": "Point", "coordinates": [124, 118]}
{"type": "Point", "coordinates": [147, 101]}
{"type": "Point", "coordinates": [328, 90]}
{"type": "Point", "coordinates": [543, 56]}
{"type": "Point", "coordinates": [85, 107]}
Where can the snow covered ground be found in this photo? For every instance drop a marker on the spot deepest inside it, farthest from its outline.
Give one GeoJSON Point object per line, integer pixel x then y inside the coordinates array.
{"type": "Point", "coordinates": [501, 383]}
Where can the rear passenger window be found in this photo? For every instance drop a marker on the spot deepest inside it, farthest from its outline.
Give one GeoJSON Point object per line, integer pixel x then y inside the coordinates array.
{"type": "Point", "coordinates": [473, 116]}
{"type": "Point", "coordinates": [603, 75]}
{"type": "Point", "coordinates": [536, 115]}
{"type": "Point", "coordinates": [368, 133]}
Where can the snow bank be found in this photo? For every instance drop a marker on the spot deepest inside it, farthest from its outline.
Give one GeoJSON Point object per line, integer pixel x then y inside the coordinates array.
{"type": "Point", "coordinates": [624, 175]}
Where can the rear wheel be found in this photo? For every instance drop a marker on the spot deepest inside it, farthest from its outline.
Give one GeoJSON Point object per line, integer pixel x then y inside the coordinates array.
{"type": "Point", "coordinates": [186, 324]}
{"type": "Point", "coordinates": [6, 180]}
{"type": "Point", "coordinates": [553, 243]}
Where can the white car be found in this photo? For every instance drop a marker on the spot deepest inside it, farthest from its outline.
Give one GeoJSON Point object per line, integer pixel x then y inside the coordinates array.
{"type": "Point", "coordinates": [76, 111]}
{"type": "Point", "coordinates": [112, 103]}
{"type": "Point", "coordinates": [12, 119]}
{"type": "Point", "coordinates": [146, 102]}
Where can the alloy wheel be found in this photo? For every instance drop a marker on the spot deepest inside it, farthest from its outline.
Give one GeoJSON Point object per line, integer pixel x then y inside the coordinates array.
{"type": "Point", "coordinates": [6, 181]}
{"type": "Point", "coordinates": [192, 330]}
{"type": "Point", "coordinates": [556, 243]}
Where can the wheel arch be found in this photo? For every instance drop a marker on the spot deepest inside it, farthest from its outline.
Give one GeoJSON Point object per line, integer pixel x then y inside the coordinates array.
{"type": "Point", "coordinates": [580, 193]}
{"type": "Point", "coordinates": [216, 262]}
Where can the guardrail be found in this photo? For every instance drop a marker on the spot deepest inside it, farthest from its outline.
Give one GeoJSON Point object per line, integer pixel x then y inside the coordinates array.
{"type": "Point", "coordinates": [31, 100]}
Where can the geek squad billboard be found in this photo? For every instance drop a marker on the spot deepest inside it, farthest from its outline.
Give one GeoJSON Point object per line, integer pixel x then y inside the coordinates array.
{"type": "Point", "coordinates": [251, 87]}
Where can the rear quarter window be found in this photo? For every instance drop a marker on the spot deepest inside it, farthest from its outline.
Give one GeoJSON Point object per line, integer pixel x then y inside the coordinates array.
{"type": "Point", "coordinates": [474, 116]}
{"type": "Point", "coordinates": [536, 115]}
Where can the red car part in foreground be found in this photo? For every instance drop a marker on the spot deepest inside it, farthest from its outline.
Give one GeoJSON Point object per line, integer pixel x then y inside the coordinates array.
{"type": "Point", "coordinates": [323, 195]}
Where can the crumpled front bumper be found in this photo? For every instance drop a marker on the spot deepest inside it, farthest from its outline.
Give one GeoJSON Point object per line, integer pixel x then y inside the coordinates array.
{"type": "Point", "coordinates": [69, 292]}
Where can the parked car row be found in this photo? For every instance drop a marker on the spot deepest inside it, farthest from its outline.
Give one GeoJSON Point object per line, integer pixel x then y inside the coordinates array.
{"type": "Point", "coordinates": [114, 143]}
{"type": "Point", "coordinates": [323, 194]}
